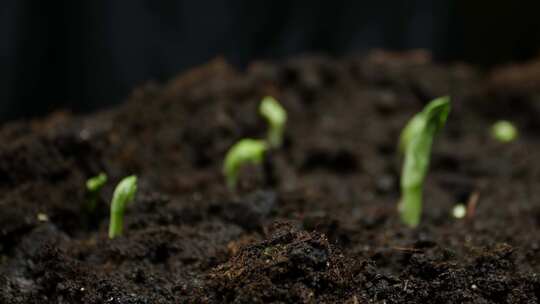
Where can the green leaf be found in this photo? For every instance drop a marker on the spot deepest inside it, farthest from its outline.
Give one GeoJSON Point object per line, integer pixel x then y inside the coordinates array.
{"type": "Point", "coordinates": [246, 151]}
{"type": "Point", "coordinates": [276, 116]}
{"type": "Point", "coordinates": [416, 142]}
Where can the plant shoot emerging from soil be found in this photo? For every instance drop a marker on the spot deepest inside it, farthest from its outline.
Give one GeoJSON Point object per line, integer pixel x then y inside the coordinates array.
{"type": "Point", "coordinates": [504, 131]}
{"type": "Point", "coordinates": [93, 186]}
{"type": "Point", "coordinates": [123, 195]}
{"type": "Point", "coordinates": [276, 116]}
{"type": "Point", "coordinates": [246, 151]}
{"type": "Point", "coordinates": [95, 183]}
{"type": "Point", "coordinates": [415, 142]}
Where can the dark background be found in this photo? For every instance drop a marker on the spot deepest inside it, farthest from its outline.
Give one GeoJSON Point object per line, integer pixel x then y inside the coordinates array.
{"type": "Point", "coordinates": [84, 55]}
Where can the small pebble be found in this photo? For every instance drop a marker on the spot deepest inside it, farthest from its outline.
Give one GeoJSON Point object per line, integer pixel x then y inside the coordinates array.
{"type": "Point", "coordinates": [385, 183]}
{"type": "Point", "coordinates": [42, 217]}
{"type": "Point", "coordinates": [84, 134]}
{"type": "Point", "coordinates": [504, 131]}
{"type": "Point", "coordinates": [459, 211]}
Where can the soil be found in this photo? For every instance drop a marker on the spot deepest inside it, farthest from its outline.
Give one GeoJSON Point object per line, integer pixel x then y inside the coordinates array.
{"type": "Point", "coordinates": [316, 224]}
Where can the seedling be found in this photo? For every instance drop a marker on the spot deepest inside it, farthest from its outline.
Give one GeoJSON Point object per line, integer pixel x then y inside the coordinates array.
{"type": "Point", "coordinates": [276, 116]}
{"type": "Point", "coordinates": [123, 195]}
{"type": "Point", "coordinates": [504, 131]}
{"type": "Point", "coordinates": [246, 151]}
{"type": "Point", "coordinates": [416, 141]}
{"type": "Point", "coordinates": [93, 186]}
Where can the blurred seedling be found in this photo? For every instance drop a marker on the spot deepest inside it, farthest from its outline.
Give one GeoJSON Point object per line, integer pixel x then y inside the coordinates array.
{"type": "Point", "coordinates": [276, 116]}
{"type": "Point", "coordinates": [504, 131]}
{"type": "Point", "coordinates": [246, 151]}
{"type": "Point", "coordinates": [93, 187]}
{"type": "Point", "coordinates": [415, 143]}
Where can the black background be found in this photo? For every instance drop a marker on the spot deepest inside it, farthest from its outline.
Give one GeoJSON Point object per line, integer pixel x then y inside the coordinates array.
{"type": "Point", "coordinates": [84, 55]}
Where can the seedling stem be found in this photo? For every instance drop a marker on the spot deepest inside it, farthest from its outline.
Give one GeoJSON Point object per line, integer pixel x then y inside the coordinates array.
{"type": "Point", "coordinates": [415, 142]}
{"type": "Point", "coordinates": [123, 195]}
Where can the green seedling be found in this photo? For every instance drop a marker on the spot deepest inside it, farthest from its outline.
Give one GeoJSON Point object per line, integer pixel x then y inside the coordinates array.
{"type": "Point", "coordinates": [415, 142]}
{"type": "Point", "coordinates": [95, 183]}
{"type": "Point", "coordinates": [123, 195]}
{"type": "Point", "coordinates": [93, 187]}
{"type": "Point", "coordinates": [504, 131]}
{"type": "Point", "coordinates": [246, 151]}
{"type": "Point", "coordinates": [276, 116]}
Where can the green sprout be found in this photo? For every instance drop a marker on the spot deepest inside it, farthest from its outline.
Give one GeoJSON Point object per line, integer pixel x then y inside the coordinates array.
{"type": "Point", "coordinates": [504, 131]}
{"type": "Point", "coordinates": [93, 186]}
{"type": "Point", "coordinates": [123, 195]}
{"type": "Point", "coordinates": [95, 183]}
{"type": "Point", "coordinates": [246, 151]}
{"type": "Point", "coordinates": [276, 116]}
{"type": "Point", "coordinates": [416, 141]}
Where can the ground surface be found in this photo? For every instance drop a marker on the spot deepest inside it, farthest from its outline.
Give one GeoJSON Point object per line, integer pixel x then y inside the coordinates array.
{"type": "Point", "coordinates": [317, 225]}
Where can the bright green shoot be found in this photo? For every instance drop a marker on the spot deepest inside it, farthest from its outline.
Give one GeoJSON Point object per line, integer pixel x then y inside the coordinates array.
{"type": "Point", "coordinates": [415, 142]}
{"type": "Point", "coordinates": [123, 195]}
{"type": "Point", "coordinates": [246, 151]}
{"type": "Point", "coordinates": [504, 131]}
{"type": "Point", "coordinates": [276, 116]}
{"type": "Point", "coordinates": [93, 186]}
{"type": "Point", "coordinates": [95, 183]}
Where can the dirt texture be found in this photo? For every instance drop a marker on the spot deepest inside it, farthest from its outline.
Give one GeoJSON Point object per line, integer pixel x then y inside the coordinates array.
{"type": "Point", "coordinates": [317, 223]}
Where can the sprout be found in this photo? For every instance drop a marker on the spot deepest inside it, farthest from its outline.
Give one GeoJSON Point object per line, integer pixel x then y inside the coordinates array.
{"type": "Point", "coordinates": [95, 183]}
{"type": "Point", "coordinates": [276, 116]}
{"type": "Point", "coordinates": [123, 195]}
{"type": "Point", "coordinates": [416, 140]}
{"type": "Point", "coordinates": [93, 186]}
{"type": "Point", "coordinates": [504, 131]}
{"type": "Point", "coordinates": [243, 152]}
